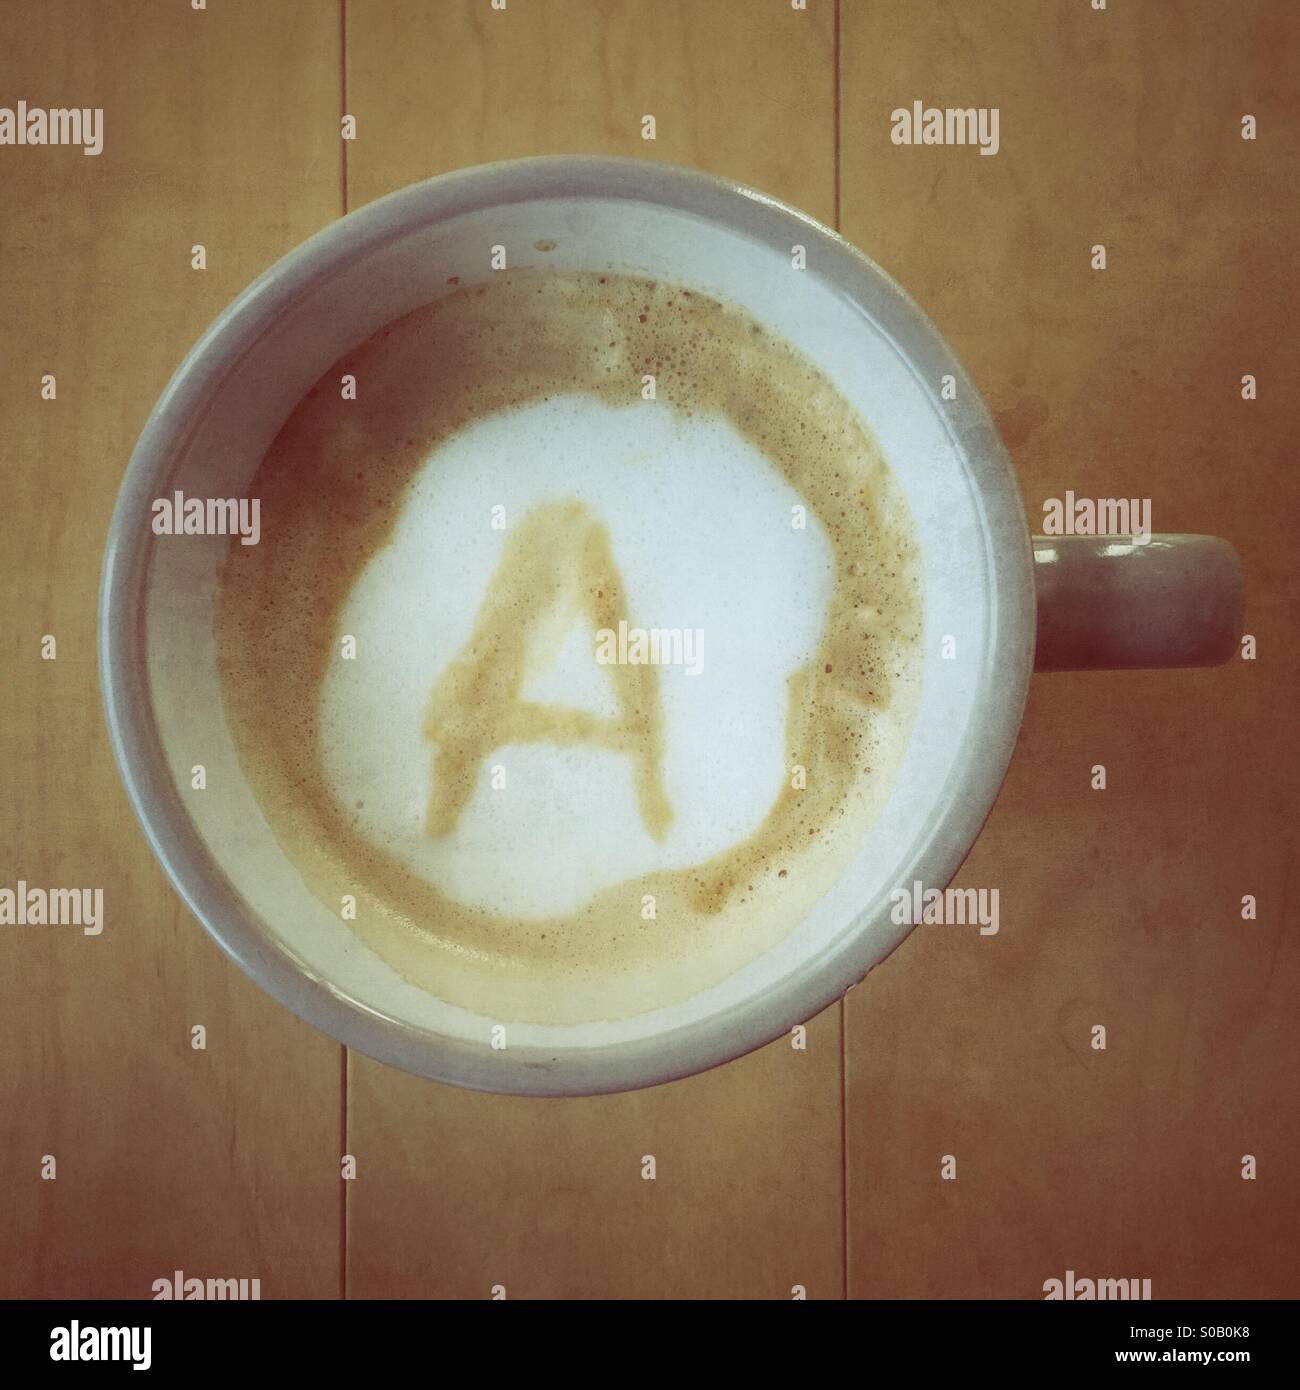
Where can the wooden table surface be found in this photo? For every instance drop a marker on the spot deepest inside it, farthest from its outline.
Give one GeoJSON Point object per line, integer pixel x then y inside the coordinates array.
{"type": "Point", "coordinates": [818, 1168]}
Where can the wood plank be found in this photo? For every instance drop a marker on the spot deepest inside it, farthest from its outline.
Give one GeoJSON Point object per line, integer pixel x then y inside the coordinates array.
{"type": "Point", "coordinates": [737, 89]}
{"type": "Point", "coordinates": [1120, 907]}
{"type": "Point", "coordinates": [221, 127]}
{"type": "Point", "coordinates": [459, 1192]}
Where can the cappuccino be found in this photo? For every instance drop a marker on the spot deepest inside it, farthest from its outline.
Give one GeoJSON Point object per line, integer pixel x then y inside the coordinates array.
{"type": "Point", "coordinates": [580, 646]}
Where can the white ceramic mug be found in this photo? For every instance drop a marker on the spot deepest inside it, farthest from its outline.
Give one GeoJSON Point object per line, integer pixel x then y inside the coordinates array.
{"type": "Point", "coordinates": [1108, 601]}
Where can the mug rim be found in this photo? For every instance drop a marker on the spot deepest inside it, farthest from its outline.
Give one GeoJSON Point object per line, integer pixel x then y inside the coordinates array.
{"type": "Point", "coordinates": [748, 1023]}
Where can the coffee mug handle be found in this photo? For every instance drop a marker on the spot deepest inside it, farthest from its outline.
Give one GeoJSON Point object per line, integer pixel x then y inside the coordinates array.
{"type": "Point", "coordinates": [1122, 602]}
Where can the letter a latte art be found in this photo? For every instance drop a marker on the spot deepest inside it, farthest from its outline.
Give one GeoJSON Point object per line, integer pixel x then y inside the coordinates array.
{"type": "Point", "coordinates": [533, 824]}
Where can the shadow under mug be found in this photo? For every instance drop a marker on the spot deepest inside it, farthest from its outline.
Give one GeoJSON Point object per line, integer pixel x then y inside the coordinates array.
{"type": "Point", "coordinates": [1008, 602]}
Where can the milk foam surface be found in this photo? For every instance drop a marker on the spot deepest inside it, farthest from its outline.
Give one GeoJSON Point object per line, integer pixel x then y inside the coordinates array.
{"type": "Point", "coordinates": [699, 523]}
{"type": "Point", "coordinates": [653, 829]}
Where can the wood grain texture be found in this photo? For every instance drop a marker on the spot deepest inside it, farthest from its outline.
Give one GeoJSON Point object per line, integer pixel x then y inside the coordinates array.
{"type": "Point", "coordinates": [458, 1192]}
{"type": "Point", "coordinates": [222, 129]}
{"type": "Point", "coordinates": [736, 88]}
{"type": "Point", "coordinates": [1121, 907]}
